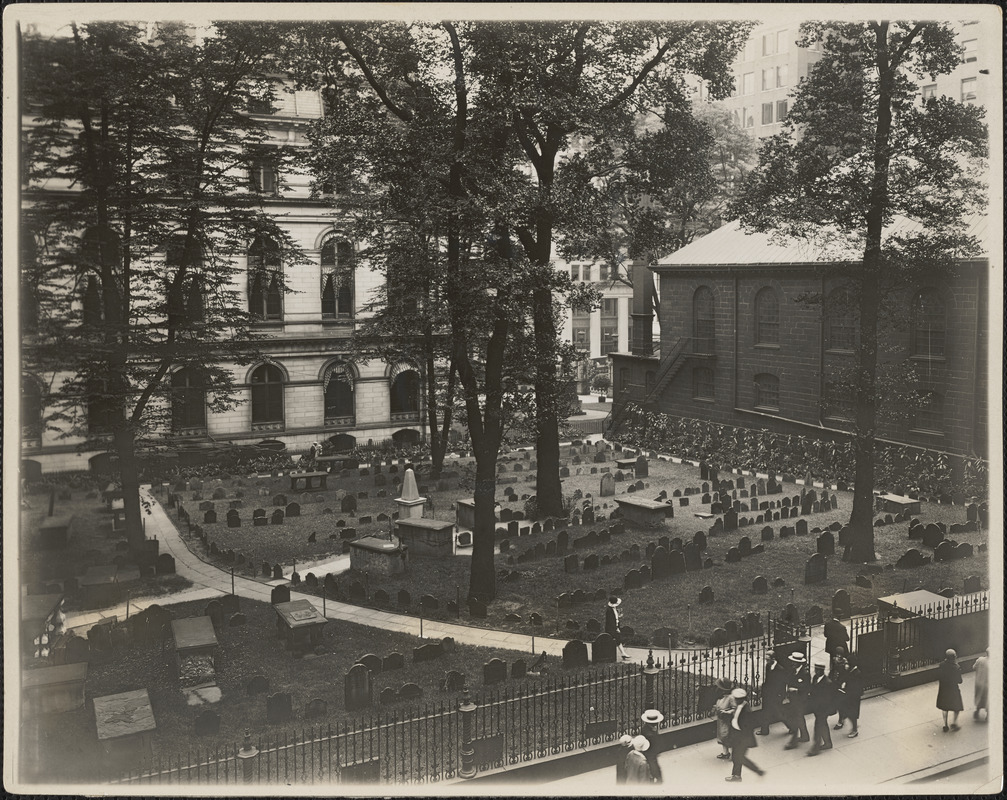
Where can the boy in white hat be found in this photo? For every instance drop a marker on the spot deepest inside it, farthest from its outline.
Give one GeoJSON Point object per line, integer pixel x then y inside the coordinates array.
{"type": "Point", "coordinates": [651, 718]}
{"type": "Point", "coordinates": [637, 770]}
{"type": "Point", "coordinates": [742, 736]}
{"type": "Point", "coordinates": [795, 699]}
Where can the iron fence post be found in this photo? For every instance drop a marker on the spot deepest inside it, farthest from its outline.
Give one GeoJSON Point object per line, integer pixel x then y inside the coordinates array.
{"type": "Point", "coordinates": [649, 673]}
{"type": "Point", "coordinates": [247, 754]}
{"type": "Point", "coordinates": [467, 709]}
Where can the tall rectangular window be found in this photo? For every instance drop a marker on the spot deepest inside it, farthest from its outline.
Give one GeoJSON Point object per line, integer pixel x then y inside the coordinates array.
{"type": "Point", "coordinates": [575, 272]}
{"type": "Point", "coordinates": [768, 44]}
{"type": "Point", "coordinates": [969, 91]}
{"type": "Point", "coordinates": [782, 75]}
{"type": "Point", "coordinates": [748, 83]}
{"type": "Point", "coordinates": [767, 113]}
{"type": "Point", "coordinates": [928, 91]}
{"type": "Point", "coordinates": [781, 110]}
{"type": "Point", "coordinates": [609, 338]}
{"type": "Point", "coordinates": [767, 79]}
{"type": "Point", "coordinates": [971, 50]}
{"type": "Point", "coordinates": [782, 41]}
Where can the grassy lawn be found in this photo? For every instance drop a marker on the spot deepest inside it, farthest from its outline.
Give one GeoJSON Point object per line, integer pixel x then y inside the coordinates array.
{"type": "Point", "coordinates": [667, 603]}
{"type": "Point", "coordinates": [91, 542]}
{"type": "Point", "coordinates": [244, 651]}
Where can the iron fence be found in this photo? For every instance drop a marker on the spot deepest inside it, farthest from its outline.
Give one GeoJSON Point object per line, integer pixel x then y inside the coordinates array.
{"type": "Point", "coordinates": [501, 726]}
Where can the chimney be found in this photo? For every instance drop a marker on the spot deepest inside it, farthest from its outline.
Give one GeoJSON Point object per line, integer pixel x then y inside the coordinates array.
{"type": "Point", "coordinates": [643, 309]}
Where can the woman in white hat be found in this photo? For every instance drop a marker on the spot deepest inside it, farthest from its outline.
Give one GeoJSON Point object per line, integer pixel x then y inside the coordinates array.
{"type": "Point", "coordinates": [637, 770]}
{"type": "Point", "coordinates": [742, 736]}
{"type": "Point", "coordinates": [651, 718]}
{"type": "Point", "coordinates": [613, 627]}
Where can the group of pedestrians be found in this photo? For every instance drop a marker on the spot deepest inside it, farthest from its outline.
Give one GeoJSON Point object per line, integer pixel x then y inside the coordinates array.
{"type": "Point", "coordinates": [639, 764]}
{"type": "Point", "coordinates": [949, 696]}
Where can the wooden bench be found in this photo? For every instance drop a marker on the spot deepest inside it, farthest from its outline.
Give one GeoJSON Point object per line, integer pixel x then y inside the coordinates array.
{"type": "Point", "coordinates": [309, 479]}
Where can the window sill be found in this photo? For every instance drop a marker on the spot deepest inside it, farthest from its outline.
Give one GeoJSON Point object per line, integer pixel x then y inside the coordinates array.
{"type": "Point", "coordinates": [926, 432]}
{"type": "Point", "coordinates": [766, 346]}
{"type": "Point", "coordinates": [769, 409]}
{"type": "Point", "coordinates": [268, 323]}
{"type": "Point", "coordinates": [708, 400]}
{"type": "Point", "coordinates": [340, 422]}
{"type": "Point", "coordinates": [267, 426]}
{"type": "Point", "coordinates": [921, 357]}
{"type": "Point", "coordinates": [838, 351]}
{"type": "Point", "coordinates": [337, 320]}
{"type": "Point", "coordinates": [405, 416]}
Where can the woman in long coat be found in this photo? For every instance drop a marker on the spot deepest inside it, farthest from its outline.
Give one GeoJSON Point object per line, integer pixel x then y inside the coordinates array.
{"type": "Point", "coordinates": [949, 696]}
{"type": "Point", "coordinates": [724, 709]}
{"type": "Point", "coordinates": [851, 689]}
{"type": "Point", "coordinates": [637, 769]}
{"type": "Point", "coordinates": [613, 624]}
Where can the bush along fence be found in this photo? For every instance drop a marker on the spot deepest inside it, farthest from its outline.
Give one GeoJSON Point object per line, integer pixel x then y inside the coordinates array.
{"type": "Point", "coordinates": [493, 727]}
{"type": "Point", "coordinates": [902, 469]}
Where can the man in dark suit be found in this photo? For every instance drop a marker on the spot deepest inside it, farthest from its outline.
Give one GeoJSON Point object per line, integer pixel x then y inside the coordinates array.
{"type": "Point", "coordinates": [822, 703]}
{"type": "Point", "coordinates": [742, 737]}
{"type": "Point", "coordinates": [773, 687]}
{"type": "Point", "coordinates": [651, 718]}
{"type": "Point", "coordinates": [836, 636]}
{"type": "Point", "coordinates": [795, 699]}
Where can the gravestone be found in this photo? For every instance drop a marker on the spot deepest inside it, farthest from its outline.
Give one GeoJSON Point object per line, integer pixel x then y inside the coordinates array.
{"type": "Point", "coordinates": [358, 688]}
{"type": "Point", "coordinates": [760, 585]}
{"type": "Point", "coordinates": [233, 520]}
{"type": "Point", "coordinates": [571, 563]}
{"type": "Point", "coordinates": [730, 520]}
{"type": "Point", "coordinates": [932, 536]}
{"type": "Point", "coordinates": [826, 544]}
{"type": "Point", "coordinates": [676, 560]}
{"type": "Point", "coordinates": [801, 527]}
{"type": "Point", "coordinates": [236, 620]}
{"type": "Point", "coordinates": [477, 608]}
{"type": "Point", "coordinates": [814, 616]}
{"type": "Point", "coordinates": [207, 724]}
{"type": "Point", "coordinates": [277, 517]}
{"type": "Point", "coordinates": [633, 580]}
{"type": "Point", "coordinates": [454, 681]}
{"type": "Point", "coordinates": [316, 708]}
{"type": "Point", "coordinates": [911, 559]}
{"type": "Point", "coordinates": [945, 551]}
{"type": "Point", "coordinates": [816, 569]}
{"type": "Point", "coordinates": [660, 563]}
{"type": "Point", "coordinates": [494, 671]}
{"type": "Point", "coordinates": [519, 668]}
{"type": "Point", "coordinates": [393, 661]}
{"type": "Point", "coordinates": [591, 562]}
{"type": "Point", "coordinates": [745, 546]}
{"type": "Point", "coordinates": [733, 556]}
{"type": "Point", "coordinates": [165, 564]}
{"type": "Point", "coordinates": [257, 684]}
{"type": "Point", "coordinates": [973, 583]}
{"type": "Point", "coordinates": [607, 487]}
{"type": "Point", "coordinates": [277, 572]}
{"type": "Point", "coordinates": [279, 708]}
{"type": "Point", "coordinates": [706, 595]}
{"type": "Point", "coordinates": [371, 661]}
{"type": "Point", "coordinates": [642, 469]}
{"type": "Point", "coordinates": [210, 517]}
{"type": "Point", "coordinates": [693, 557]}
{"type": "Point", "coordinates": [215, 611]}
{"type": "Point", "coordinates": [603, 649]}
{"type": "Point", "coordinates": [863, 582]}
{"type": "Point", "coordinates": [767, 534]}
{"type": "Point", "coordinates": [841, 608]}
{"type": "Point", "coordinates": [279, 594]}
{"type": "Point", "coordinates": [575, 655]}
{"type": "Point", "coordinates": [348, 505]}
{"type": "Point", "coordinates": [293, 510]}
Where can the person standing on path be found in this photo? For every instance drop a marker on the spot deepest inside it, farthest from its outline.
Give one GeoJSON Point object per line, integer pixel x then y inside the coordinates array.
{"type": "Point", "coordinates": [773, 687]}
{"type": "Point", "coordinates": [613, 626]}
{"type": "Point", "coordinates": [949, 696]}
{"type": "Point", "coordinates": [651, 719]}
{"type": "Point", "coordinates": [795, 699]}
{"type": "Point", "coordinates": [850, 690]}
{"type": "Point", "coordinates": [637, 768]}
{"type": "Point", "coordinates": [724, 709]}
{"type": "Point", "coordinates": [822, 702]}
{"type": "Point", "coordinates": [625, 746]}
{"type": "Point", "coordinates": [836, 636]}
{"type": "Point", "coordinates": [742, 736]}
{"type": "Point", "coordinates": [982, 685]}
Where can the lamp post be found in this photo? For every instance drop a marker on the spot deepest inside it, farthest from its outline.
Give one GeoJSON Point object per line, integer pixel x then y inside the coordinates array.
{"type": "Point", "coordinates": [467, 709]}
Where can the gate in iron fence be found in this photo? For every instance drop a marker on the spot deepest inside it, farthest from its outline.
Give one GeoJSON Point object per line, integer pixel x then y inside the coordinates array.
{"type": "Point", "coordinates": [499, 726]}
{"type": "Point", "coordinates": [912, 638]}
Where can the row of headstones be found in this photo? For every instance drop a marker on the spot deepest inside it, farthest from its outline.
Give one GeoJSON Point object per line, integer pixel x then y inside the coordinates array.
{"type": "Point", "coordinates": [749, 627]}
{"type": "Point", "coordinates": [933, 533]}
{"type": "Point", "coordinates": [891, 519]}
{"type": "Point", "coordinates": [667, 556]}
{"type": "Point", "coordinates": [562, 543]}
{"type": "Point", "coordinates": [946, 550]}
{"type": "Point", "coordinates": [358, 684]}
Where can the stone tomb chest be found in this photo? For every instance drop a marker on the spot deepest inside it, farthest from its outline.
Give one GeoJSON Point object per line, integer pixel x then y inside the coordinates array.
{"type": "Point", "coordinates": [196, 651]}
{"type": "Point", "coordinates": [643, 512]}
{"type": "Point", "coordinates": [47, 690]}
{"type": "Point", "coordinates": [894, 503]}
{"type": "Point", "coordinates": [125, 725]}
{"type": "Point", "coordinates": [299, 624]}
{"type": "Point", "coordinates": [426, 537]}
{"type": "Point", "coordinates": [465, 513]}
{"type": "Point", "coordinates": [379, 556]}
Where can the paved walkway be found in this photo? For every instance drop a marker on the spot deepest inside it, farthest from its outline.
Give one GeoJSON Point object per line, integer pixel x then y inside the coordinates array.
{"type": "Point", "coordinates": [211, 581]}
{"type": "Point", "coordinates": [901, 749]}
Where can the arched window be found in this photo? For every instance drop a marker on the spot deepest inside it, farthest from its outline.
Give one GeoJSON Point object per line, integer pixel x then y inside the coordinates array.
{"type": "Point", "coordinates": [31, 408]}
{"type": "Point", "coordinates": [703, 320]}
{"type": "Point", "coordinates": [188, 400]}
{"type": "Point", "coordinates": [337, 387]}
{"type": "Point", "coordinates": [930, 416]}
{"type": "Point", "coordinates": [185, 300]}
{"type": "Point", "coordinates": [267, 395]}
{"type": "Point", "coordinates": [337, 279]}
{"type": "Point", "coordinates": [767, 317]}
{"type": "Point", "coordinates": [840, 320]}
{"type": "Point", "coordinates": [929, 324]}
{"type": "Point", "coordinates": [767, 392]}
{"type": "Point", "coordinates": [101, 407]}
{"type": "Point", "coordinates": [405, 389]}
{"type": "Point", "coordinates": [702, 383]}
{"type": "Point", "coordinates": [99, 255]}
{"type": "Point", "coordinates": [265, 293]}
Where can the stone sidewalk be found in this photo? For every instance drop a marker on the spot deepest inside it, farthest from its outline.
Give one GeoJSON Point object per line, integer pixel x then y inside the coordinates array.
{"type": "Point", "coordinates": [901, 749]}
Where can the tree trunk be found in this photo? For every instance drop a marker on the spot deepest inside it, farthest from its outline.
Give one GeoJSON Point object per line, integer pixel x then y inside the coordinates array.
{"type": "Point", "coordinates": [129, 478]}
{"type": "Point", "coordinates": [482, 577]}
{"type": "Point", "coordinates": [548, 488]}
